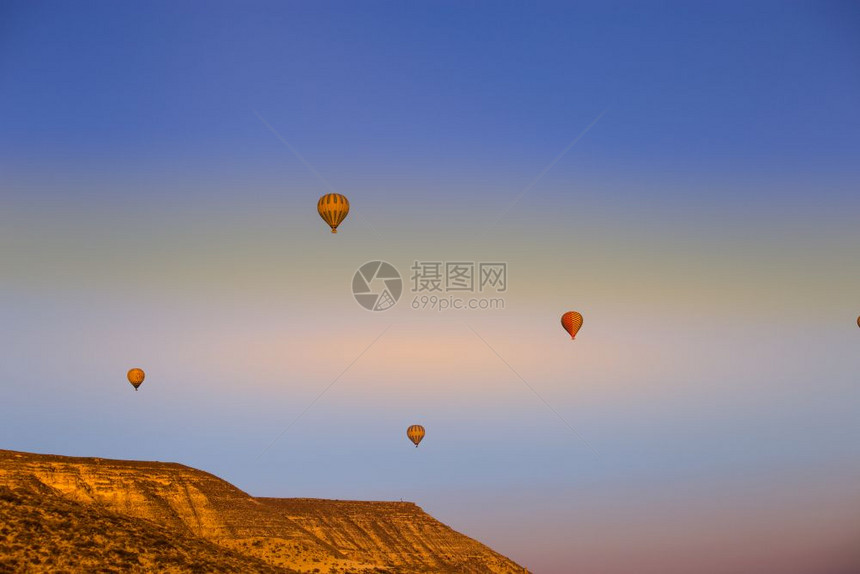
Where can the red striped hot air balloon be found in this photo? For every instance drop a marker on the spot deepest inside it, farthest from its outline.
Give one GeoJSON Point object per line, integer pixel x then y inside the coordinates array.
{"type": "Point", "coordinates": [572, 323]}
{"type": "Point", "coordinates": [333, 208]}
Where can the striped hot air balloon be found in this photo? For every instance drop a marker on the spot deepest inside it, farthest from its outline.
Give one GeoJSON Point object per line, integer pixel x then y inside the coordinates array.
{"type": "Point", "coordinates": [415, 434]}
{"type": "Point", "coordinates": [135, 377]}
{"type": "Point", "coordinates": [572, 322]}
{"type": "Point", "coordinates": [333, 208]}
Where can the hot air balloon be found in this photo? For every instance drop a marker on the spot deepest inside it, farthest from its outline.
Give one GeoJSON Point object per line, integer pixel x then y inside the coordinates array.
{"type": "Point", "coordinates": [858, 321]}
{"type": "Point", "coordinates": [415, 434]}
{"type": "Point", "coordinates": [572, 322]}
{"type": "Point", "coordinates": [333, 208]}
{"type": "Point", "coordinates": [135, 377]}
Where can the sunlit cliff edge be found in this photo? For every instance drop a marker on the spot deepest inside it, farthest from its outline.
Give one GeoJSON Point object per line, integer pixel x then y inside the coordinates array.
{"type": "Point", "coordinates": [81, 514]}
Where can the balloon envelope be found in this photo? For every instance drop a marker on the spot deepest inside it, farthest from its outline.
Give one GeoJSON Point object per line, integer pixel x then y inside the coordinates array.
{"type": "Point", "coordinates": [135, 377]}
{"type": "Point", "coordinates": [572, 323]}
{"type": "Point", "coordinates": [415, 434]}
{"type": "Point", "coordinates": [333, 208]}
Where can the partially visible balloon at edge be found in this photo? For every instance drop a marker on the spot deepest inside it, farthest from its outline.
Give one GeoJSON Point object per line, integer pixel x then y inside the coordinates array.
{"type": "Point", "coordinates": [135, 377]}
{"type": "Point", "coordinates": [415, 434]}
{"type": "Point", "coordinates": [572, 323]}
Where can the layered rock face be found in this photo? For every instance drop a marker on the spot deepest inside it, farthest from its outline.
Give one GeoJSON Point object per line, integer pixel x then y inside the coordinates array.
{"type": "Point", "coordinates": [393, 533]}
{"type": "Point", "coordinates": [40, 531]}
{"type": "Point", "coordinates": [304, 535]}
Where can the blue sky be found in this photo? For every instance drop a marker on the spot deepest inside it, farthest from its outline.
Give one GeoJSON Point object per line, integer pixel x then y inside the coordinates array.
{"type": "Point", "coordinates": [701, 88]}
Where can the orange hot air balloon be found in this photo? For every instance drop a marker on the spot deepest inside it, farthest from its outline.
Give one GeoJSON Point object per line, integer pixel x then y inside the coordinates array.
{"type": "Point", "coordinates": [135, 377]}
{"type": "Point", "coordinates": [415, 434]}
{"type": "Point", "coordinates": [858, 321]}
{"type": "Point", "coordinates": [333, 208]}
{"type": "Point", "coordinates": [572, 323]}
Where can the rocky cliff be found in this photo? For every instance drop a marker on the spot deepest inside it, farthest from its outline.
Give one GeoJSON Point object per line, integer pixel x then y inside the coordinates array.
{"type": "Point", "coordinates": [212, 519]}
{"type": "Point", "coordinates": [41, 531]}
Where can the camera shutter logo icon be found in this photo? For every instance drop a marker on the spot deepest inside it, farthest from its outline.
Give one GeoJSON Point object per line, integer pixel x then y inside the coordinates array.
{"type": "Point", "coordinates": [377, 286]}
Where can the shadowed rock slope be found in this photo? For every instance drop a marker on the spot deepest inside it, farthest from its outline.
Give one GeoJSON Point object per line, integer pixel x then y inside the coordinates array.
{"type": "Point", "coordinates": [43, 532]}
{"type": "Point", "coordinates": [173, 518]}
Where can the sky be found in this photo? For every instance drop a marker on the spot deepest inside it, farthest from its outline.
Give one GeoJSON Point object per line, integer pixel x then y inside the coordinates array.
{"type": "Point", "coordinates": [685, 175]}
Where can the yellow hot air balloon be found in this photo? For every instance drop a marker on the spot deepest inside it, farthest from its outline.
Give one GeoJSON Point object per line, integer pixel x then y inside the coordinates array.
{"type": "Point", "coordinates": [572, 323]}
{"type": "Point", "coordinates": [415, 434]}
{"type": "Point", "coordinates": [135, 377]}
{"type": "Point", "coordinates": [333, 208]}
